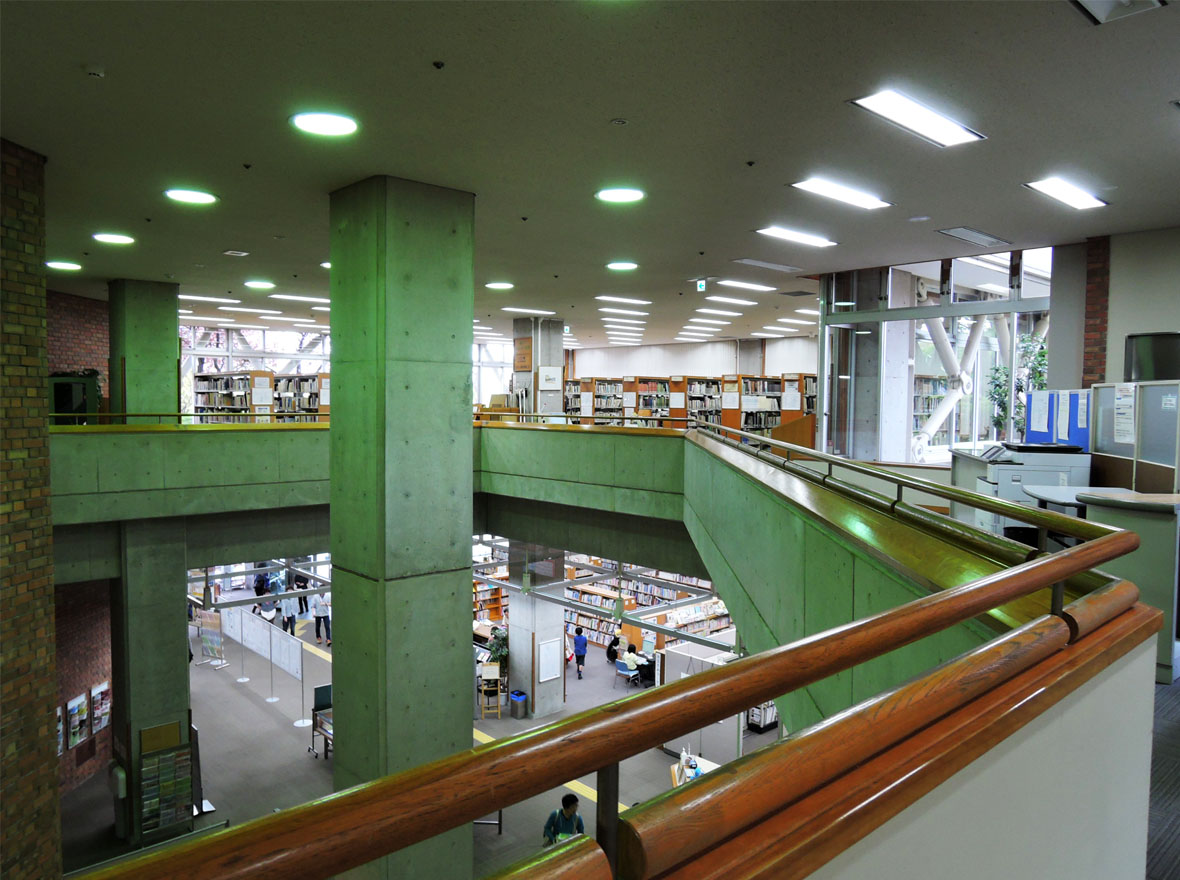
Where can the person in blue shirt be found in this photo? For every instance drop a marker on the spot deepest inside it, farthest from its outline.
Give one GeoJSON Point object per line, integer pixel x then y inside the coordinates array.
{"type": "Point", "coordinates": [565, 822]}
{"type": "Point", "coordinates": [579, 650]}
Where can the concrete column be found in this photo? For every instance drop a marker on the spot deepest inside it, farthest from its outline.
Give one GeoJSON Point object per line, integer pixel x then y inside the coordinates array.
{"type": "Point", "coordinates": [149, 652]}
{"type": "Point", "coordinates": [402, 303]}
{"type": "Point", "coordinates": [545, 351]}
{"type": "Point", "coordinates": [531, 623]}
{"type": "Point", "coordinates": [145, 347]}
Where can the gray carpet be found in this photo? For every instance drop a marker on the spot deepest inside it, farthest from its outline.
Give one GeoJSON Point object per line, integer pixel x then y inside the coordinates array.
{"type": "Point", "coordinates": [1163, 818]}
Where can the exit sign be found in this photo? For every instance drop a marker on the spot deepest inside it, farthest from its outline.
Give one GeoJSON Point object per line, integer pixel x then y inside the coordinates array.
{"type": "Point", "coordinates": [700, 284]}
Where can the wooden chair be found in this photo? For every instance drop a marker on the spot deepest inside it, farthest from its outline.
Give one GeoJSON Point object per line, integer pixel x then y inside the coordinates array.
{"type": "Point", "coordinates": [489, 689]}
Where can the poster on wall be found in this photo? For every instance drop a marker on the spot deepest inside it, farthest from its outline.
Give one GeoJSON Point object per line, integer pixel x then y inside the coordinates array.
{"type": "Point", "coordinates": [60, 738]}
{"type": "Point", "coordinates": [100, 706]}
{"type": "Point", "coordinates": [76, 714]}
{"type": "Point", "coordinates": [522, 354]}
{"type": "Point", "coordinates": [1124, 414]}
{"type": "Point", "coordinates": [210, 625]}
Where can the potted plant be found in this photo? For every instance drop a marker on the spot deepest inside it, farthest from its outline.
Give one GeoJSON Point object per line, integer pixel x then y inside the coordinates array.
{"type": "Point", "coordinates": [1031, 368]}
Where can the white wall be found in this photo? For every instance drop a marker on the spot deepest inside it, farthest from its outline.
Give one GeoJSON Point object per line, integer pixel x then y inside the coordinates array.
{"type": "Point", "coordinates": [692, 359]}
{"type": "Point", "coordinates": [1063, 798]}
{"type": "Point", "coordinates": [1144, 290]}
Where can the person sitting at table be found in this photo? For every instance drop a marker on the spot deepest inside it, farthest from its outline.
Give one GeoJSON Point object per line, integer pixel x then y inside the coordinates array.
{"type": "Point", "coordinates": [635, 660]}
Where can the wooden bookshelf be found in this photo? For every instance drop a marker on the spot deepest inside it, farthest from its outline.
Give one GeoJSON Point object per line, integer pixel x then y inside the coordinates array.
{"type": "Point", "coordinates": [596, 630]}
{"type": "Point", "coordinates": [302, 397]}
{"type": "Point", "coordinates": [703, 399]}
{"type": "Point", "coordinates": [647, 401]}
{"type": "Point", "coordinates": [489, 602]}
{"type": "Point", "coordinates": [229, 397]}
{"type": "Point", "coordinates": [752, 403]}
{"type": "Point", "coordinates": [586, 389]}
{"type": "Point", "coordinates": [608, 401]}
{"type": "Point", "coordinates": [571, 397]}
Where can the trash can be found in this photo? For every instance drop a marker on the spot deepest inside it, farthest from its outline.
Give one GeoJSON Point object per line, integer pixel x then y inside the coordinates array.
{"type": "Point", "coordinates": [518, 702]}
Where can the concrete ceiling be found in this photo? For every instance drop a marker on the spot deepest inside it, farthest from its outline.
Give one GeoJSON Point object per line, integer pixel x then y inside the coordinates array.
{"type": "Point", "coordinates": [726, 104]}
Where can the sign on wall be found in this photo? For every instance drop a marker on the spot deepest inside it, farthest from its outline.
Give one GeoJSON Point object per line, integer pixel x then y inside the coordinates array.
{"type": "Point", "coordinates": [522, 354]}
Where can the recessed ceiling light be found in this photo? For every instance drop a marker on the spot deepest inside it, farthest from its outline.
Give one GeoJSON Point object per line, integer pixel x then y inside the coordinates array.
{"type": "Point", "coordinates": [232, 326]}
{"type": "Point", "coordinates": [321, 308]}
{"type": "Point", "coordinates": [184, 311]}
{"type": "Point", "coordinates": [190, 196]}
{"type": "Point", "coordinates": [806, 311]}
{"type": "Point", "coordinates": [310, 299]}
{"type": "Point", "coordinates": [620, 311]}
{"type": "Point", "coordinates": [745, 285]}
{"type": "Point", "coordinates": [777, 267]}
{"type": "Point", "coordinates": [731, 300]}
{"type": "Point", "coordinates": [620, 342]}
{"type": "Point", "coordinates": [1105, 11]}
{"type": "Point", "coordinates": [527, 311]}
{"type": "Point", "coordinates": [1064, 191]}
{"type": "Point", "coordinates": [63, 265]}
{"type": "Point", "coordinates": [720, 312]}
{"type": "Point", "coordinates": [208, 299]}
{"type": "Point", "coordinates": [619, 194]}
{"type": "Point", "coordinates": [796, 236]}
{"type": "Point", "coordinates": [696, 335]}
{"type": "Point", "coordinates": [624, 299]}
{"type": "Point", "coordinates": [864, 332]}
{"type": "Point", "coordinates": [327, 264]}
{"type": "Point", "coordinates": [325, 124]}
{"type": "Point", "coordinates": [622, 266]}
{"type": "Point", "coordinates": [113, 238]}
{"type": "Point", "coordinates": [769, 335]}
{"type": "Point", "coordinates": [841, 193]}
{"type": "Point", "coordinates": [499, 285]}
{"type": "Point", "coordinates": [796, 321]}
{"type": "Point", "coordinates": [687, 339]}
{"type": "Point", "coordinates": [842, 303]}
{"type": "Point", "coordinates": [919, 119]}
{"type": "Point", "coordinates": [608, 319]}
{"type": "Point", "coordinates": [974, 236]}
{"type": "Point", "coordinates": [236, 253]}
{"type": "Point", "coordinates": [707, 321]}
{"type": "Point", "coordinates": [261, 285]}
{"type": "Point", "coordinates": [247, 309]}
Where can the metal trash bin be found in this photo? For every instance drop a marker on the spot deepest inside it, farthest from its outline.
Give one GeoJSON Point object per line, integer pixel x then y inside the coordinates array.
{"type": "Point", "coordinates": [518, 704]}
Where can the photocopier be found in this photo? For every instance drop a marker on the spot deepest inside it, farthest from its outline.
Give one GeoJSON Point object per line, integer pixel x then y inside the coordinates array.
{"type": "Point", "coordinates": [1012, 466]}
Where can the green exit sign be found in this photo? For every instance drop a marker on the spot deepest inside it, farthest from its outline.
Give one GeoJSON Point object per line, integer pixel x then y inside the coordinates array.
{"type": "Point", "coordinates": [700, 284]}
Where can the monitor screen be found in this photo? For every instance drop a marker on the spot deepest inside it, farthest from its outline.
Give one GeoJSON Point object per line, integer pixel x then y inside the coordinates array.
{"type": "Point", "coordinates": [1151, 356]}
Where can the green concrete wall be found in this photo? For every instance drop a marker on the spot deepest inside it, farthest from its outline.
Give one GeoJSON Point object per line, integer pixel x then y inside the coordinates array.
{"type": "Point", "coordinates": [144, 346]}
{"type": "Point", "coordinates": [619, 473]}
{"type": "Point", "coordinates": [784, 573]}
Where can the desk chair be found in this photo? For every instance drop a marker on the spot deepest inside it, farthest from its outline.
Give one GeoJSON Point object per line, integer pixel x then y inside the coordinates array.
{"type": "Point", "coordinates": [631, 676]}
{"type": "Point", "coordinates": [489, 689]}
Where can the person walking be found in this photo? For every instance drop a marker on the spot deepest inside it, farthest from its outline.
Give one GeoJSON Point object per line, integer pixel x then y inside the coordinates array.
{"type": "Point", "coordinates": [565, 822]}
{"type": "Point", "coordinates": [579, 650]}
{"type": "Point", "coordinates": [288, 607]}
{"type": "Point", "coordinates": [321, 609]}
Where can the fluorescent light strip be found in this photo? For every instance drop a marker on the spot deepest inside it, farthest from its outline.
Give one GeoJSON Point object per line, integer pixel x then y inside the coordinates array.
{"type": "Point", "coordinates": [707, 321]}
{"type": "Point", "coordinates": [796, 236]}
{"type": "Point", "coordinates": [769, 335]}
{"type": "Point", "coordinates": [284, 318]}
{"type": "Point", "coordinates": [796, 321]}
{"type": "Point", "coordinates": [306, 299]}
{"type": "Point", "coordinates": [206, 299]}
{"type": "Point", "coordinates": [204, 319]}
{"type": "Point", "coordinates": [246, 309]}
{"type": "Point", "coordinates": [720, 312]}
{"type": "Point", "coordinates": [315, 326]}
{"type": "Point", "coordinates": [624, 299]}
{"type": "Point", "coordinates": [841, 193]}
{"type": "Point", "coordinates": [745, 285]}
{"type": "Point", "coordinates": [695, 333]}
{"type": "Point", "coordinates": [780, 329]}
{"type": "Point", "coordinates": [606, 319]}
{"type": "Point", "coordinates": [321, 309]}
{"type": "Point", "coordinates": [919, 119]}
{"type": "Point", "coordinates": [687, 339]}
{"type": "Point", "coordinates": [806, 311]}
{"type": "Point", "coordinates": [527, 311]}
{"type": "Point", "coordinates": [230, 325]}
{"type": "Point", "coordinates": [1066, 192]}
{"type": "Point", "coordinates": [619, 311]}
{"type": "Point", "coordinates": [184, 311]}
{"type": "Point", "coordinates": [731, 300]}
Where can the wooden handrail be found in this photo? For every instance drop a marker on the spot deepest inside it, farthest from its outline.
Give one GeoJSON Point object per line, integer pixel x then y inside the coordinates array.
{"type": "Point", "coordinates": [687, 821]}
{"type": "Point", "coordinates": [376, 818]}
{"type": "Point", "coordinates": [578, 859]}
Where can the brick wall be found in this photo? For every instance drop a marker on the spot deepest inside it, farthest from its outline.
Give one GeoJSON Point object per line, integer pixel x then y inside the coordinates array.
{"type": "Point", "coordinates": [1097, 310]}
{"type": "Point", "coordinates": [30, 824]}
{"type": "Point", "coordinates": [83, 626]}
{"type": "Point", "coordinates": [79, 336]}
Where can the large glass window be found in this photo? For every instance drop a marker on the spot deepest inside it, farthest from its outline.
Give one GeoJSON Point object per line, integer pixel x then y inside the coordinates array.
{"type": "Point", "coordinates": [491, 370]}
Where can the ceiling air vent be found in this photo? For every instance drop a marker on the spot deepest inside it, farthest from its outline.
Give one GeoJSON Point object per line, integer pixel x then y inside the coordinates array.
{"type": "Point", "coordinates": [974, 236]}
{"type": "Point", "coordinates": [1106, 11]}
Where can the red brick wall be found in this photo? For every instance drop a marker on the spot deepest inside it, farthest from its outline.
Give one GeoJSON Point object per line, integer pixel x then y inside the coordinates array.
{"type": "Point", "coordinates": [1097, 310]}
{"type": "Point", "coordinates": [79, 336]}
{"type": "Point", "coordinates": [83, 625]}
{"type": "Point", "coordinates": [30, 823]}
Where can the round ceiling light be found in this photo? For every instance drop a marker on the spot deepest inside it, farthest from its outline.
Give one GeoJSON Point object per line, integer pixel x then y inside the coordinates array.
{"type": "Point", "coordinates": [261, 285]}
{"type": "Point", "coordinates": [619, 194]}
{"type": "Point", "coordinates": [622, 266]}
{"type": "Point", "coordinates": [190, 196]}
{"type": "Point", "coordinates": [63, 265]}
{"type": "Point", "coordinates": [113, 238]}
{"type": "Point", "coordinates": [325, 124]}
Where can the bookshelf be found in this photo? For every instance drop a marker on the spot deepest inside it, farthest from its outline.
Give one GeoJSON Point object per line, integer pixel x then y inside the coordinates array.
{"type": "Point", "coordinates": [703, 399]}
{"type": "Point", "coordinates": [302, 398]}
{"type": "Point", "coordinates": [608, 401]}
{"type": "Point", "coordinates": [229, 397]}
{"type": "Point", "coordinates": [752, 403]}
{"type": "Point", "coordinates": [596, 630]}
{"type": "Point", "coordinates": [572, 397]}
{"type": "Point", "coordinates": [928, 393]}
{"type": "Point", "coordinates": [646, 400]}
{"type": "Point", "coordinates": [708, 617]}
{"type": "Point", "coordinates": [489, 602]}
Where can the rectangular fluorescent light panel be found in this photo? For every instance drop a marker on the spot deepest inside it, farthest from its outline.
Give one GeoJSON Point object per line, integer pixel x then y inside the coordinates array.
{"type": "Point", "coordinates": [1105, 11]}
{"type": "Point", "coordinates": [624, 299]}
{"type": "Point", "coordinates": [306, 299]}
{"type": "Point", "coordinates": [708, 321]}
{"type": "Point", "coordinates": [285, 318]}
{"type": "Point", "coordinates": [745, 285]}
{"type": "Point", "coordinates": [184, 311]}
{"type": "Point", "coordinates": [919, 119]}
{"type": "Point", "coordinates": [206, 299]}
{"type": "Point", "coordinates": [796, 236]}
{"type": "Point", "coordinates": [607, 319]}
{"type": "Point", "coordinates": [974, 236]}
{"type": "Point", "coordinates": [762, 264]}
{"type": "Point", "coordinates": [720, 312]}
{"type": "Point", "coordinates": [613, 342]}
{"type": "Point", "coordinates": [780, 329]}
{"type": "Point", "coordinates": [841, 193]}
{"type": "Point", "coordinates": [527, 311]}
{"type": "Point", "coordinates": [806, 311]}
{"type": "Point", "coordinates": [321, 308]}
{"type": "Point", "coordinates": [1066, 192]}
{"type": "Point", "coordinates": [769, 335]}
{"type": "Point", "coordinates": [796, 321]}
{"type": "Point", "coordinates": [230, 325]}
{"type": "Point", "coordinates": [687, 339]}
{"type": "Point", "coordinates": [731, 300]}
{"type": "Point", "coordinates": [203, 318]}
{"type": "Point", "coordinates": [615, 311]}
{"type": "Point", "coordinates": [245, 309]}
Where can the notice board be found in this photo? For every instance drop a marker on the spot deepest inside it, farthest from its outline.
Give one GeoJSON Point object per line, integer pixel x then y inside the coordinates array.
{"type": "Point", "coordinates": [522, 350]}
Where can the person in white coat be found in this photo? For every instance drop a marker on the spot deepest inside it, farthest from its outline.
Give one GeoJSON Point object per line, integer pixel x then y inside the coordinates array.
{"type": "Point", "coordinates": [321, 609]}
